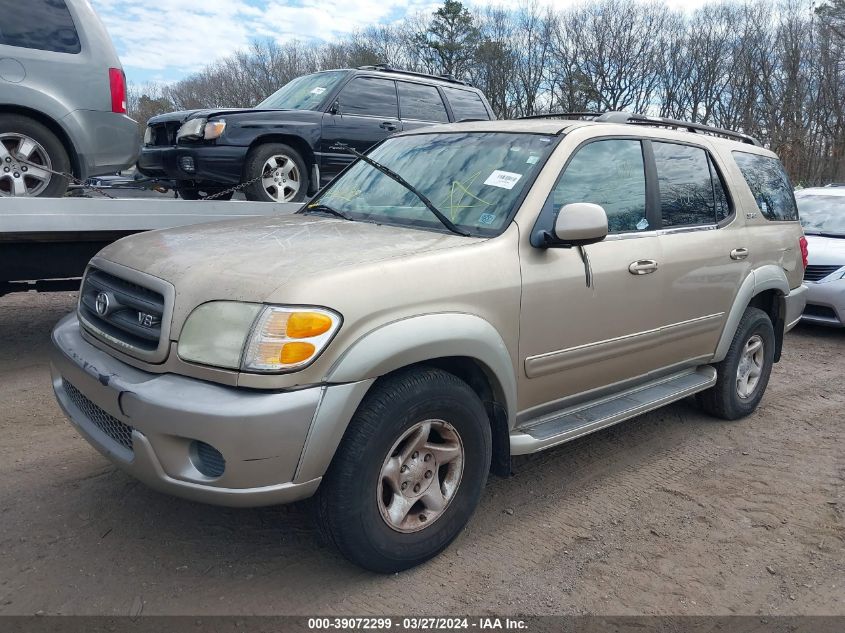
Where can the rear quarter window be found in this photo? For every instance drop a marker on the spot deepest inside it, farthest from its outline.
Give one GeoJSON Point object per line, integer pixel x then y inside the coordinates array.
{"type": "Point", "coordinates": [769, 184]}
{"type": "Point", "coordinates": [466, 104]}
{"type": "Point", "coordinates": [44, 25]}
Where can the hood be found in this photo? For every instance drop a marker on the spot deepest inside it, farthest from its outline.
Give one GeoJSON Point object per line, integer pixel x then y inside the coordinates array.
{"type": "Point", "coordinates": [183, 115]}
{"type": "Point", "coordinates": [826, 251]}
{"type": "Point", "coordinates": [248, 260]}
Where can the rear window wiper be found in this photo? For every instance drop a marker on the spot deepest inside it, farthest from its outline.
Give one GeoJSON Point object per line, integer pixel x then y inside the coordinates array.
{"type": "Point", "coordinates": [419, 194]}
{"type": "Point", "coordinates": [324, 208]}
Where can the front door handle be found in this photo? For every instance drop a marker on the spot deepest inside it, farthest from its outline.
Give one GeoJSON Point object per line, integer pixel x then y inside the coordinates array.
{"type": "Point", "coordinates": [739, 253]}
{"type": "Point", "coordinates": [387, 125]}
{"type": "Point", "coordinates": [642, 267]}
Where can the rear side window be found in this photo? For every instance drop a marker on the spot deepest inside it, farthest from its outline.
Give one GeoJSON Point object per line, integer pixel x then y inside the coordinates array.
{"type": "Point", "coordinates": [370, 97]}
{"type": "Point", "coordinates": [422, 103]}
{"type": "Point", "coordinates": [466, 104]}
{"type": "Point", "coordinates": [44, 25]}
{"type": "Point", "coordinates": [691, 192]}
{"type": "Point", "coordinates": [610, 173]}
{"type": "Point", "coordinates": [769, 184]}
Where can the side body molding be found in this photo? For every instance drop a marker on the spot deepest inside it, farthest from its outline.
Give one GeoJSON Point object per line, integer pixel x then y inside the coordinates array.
{"type": "Point", "coordinates": [766, 277]}
{"type": "Point", "coordinates": [393, 346]}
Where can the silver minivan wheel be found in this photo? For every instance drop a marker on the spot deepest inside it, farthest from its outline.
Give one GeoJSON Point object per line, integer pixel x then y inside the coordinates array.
{"type": "Point", "coordinates": [420, 476]}
{"type": "Point", "coordinates": [282, 179]}
{"type": "Point", "coordinates": [20, 158]}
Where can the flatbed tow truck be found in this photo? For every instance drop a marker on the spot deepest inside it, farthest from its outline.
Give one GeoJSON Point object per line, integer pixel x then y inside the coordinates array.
{"type": "Point", "coordinates": [45, 243]}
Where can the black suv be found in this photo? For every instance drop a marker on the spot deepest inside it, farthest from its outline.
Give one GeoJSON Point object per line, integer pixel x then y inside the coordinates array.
{"type": "Point", "coordinates": [295, 136]}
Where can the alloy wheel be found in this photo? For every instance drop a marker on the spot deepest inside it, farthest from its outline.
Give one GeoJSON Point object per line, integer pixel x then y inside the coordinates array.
{"type": "Point", "coordinates": [420, 476]}
{"type": "Point", "coordinates": [282, 179]}
{"type": "Point", "coordinates": [21, 162]}
{"type": "Point", "coordinates": [750, 367]}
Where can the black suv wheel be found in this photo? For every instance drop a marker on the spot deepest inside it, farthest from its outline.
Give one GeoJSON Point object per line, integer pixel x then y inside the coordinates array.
{"type": "Point", "coordinates": [284, 174]}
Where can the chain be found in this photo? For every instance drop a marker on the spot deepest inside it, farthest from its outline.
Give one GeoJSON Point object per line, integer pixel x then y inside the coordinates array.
{"type": "Point", "coordinates": [76, 181]}
{"type": "Point", "coordinates": [237, 187]}
{"type": "Point", "coordinates": [69, 177]}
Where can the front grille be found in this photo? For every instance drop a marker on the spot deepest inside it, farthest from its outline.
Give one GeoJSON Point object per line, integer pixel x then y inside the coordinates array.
{"type": "Point", "coordinates": [164, 134]}
{"type": "Point", "coordinates": [817, 273]}
{"type": "Point", "coordinates": [121, 310]}
{"type": "Point", "coordinates": [108, 424]}
{"type": "Point", "coordinates": [824, 312]}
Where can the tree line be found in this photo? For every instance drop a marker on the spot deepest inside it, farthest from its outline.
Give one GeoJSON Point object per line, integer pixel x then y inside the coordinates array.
{"type": "Point", "coordinates": [775, 70]}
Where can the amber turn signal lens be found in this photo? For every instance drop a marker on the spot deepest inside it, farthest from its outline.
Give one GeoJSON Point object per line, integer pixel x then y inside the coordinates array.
{"type": "Point", "coordinates": [307, 324]}
{"type": "Point", "coordinates": [296, 353]}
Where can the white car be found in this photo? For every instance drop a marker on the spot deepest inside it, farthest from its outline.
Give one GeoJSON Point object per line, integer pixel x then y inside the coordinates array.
{"type": "Point", "coordinates": [822, 211]}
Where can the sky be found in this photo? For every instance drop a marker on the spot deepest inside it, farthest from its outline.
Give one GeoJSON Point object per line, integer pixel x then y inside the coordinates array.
{"type": "Point", "coordinates": [165, 40]}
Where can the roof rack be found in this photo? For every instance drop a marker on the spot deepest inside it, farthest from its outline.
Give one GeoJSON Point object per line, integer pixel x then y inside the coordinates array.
{"type": "Point", "coordinates": [390, 69]}
{"type": "Point", "coordinates": [641, 119]}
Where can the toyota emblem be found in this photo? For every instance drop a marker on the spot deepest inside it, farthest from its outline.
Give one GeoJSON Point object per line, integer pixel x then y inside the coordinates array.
{"type": "Point", "coordinates": [102, 304]}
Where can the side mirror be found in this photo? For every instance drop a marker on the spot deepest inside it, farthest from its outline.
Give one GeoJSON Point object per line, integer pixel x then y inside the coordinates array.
{"type": "Point", "coordinates": [335, 109]}
{"type": "Point", "coordinates": [579, 224]}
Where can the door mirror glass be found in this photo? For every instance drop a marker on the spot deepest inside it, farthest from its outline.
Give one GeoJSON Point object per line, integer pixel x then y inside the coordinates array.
{"type": "Point", "coordinates": [580, 223]}
{"type": "Point", "coordinates": [335, 109]}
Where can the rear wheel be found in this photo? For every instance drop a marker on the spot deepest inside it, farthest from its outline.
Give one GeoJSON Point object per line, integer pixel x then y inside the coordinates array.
{"type": "Point", "coordinates": [29, 153]}
{"type": "Point", "coordinates": [744, 374]}
{"type": "Point", "coordinates": [283, 174]}
{"type": "Point", "coordinates": [409, 472]}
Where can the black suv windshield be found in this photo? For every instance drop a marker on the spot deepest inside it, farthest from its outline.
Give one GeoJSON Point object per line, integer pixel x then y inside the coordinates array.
{"type": "Point", "coordinates": [473, 178]}
{"type": "Point", "coordinates": [303, 93]}
{"type": "Point", "coordinates": [822, 213]}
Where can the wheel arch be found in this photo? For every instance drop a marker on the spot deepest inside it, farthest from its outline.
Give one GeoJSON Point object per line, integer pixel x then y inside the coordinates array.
{"type": "Point", "coordinates": [765, 288]}
{"type": "Point", "coordinates": [464, 345]}
{"type": "Point", "coordinates": [52, 125]}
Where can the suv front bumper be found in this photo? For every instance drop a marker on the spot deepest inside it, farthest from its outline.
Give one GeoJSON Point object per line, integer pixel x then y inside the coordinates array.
{"type": "Point", "coordinates": [219, 164]}
{"type": "Point", "coordinates": [150, 426]}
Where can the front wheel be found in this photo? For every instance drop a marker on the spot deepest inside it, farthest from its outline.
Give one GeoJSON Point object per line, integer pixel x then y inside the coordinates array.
{"type": "Point", "coordinates": [744, 373]}
{"type": "Point", "coordinates": [409, 472]}
{"type": "Point", "coordinates": [279, 172]}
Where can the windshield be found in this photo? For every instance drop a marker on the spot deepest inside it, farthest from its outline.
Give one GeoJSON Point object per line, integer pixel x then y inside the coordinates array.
{"type": "Point", "coordinates": [303, 93]}
{"type": "Point", "coordinates": [822, 213]}
{"type": "Point", "coordinates": [473, 178]}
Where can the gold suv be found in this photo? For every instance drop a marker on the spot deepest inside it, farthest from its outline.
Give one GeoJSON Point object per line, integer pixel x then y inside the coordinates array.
{"type": "Point", "coordinates": [461, 294]}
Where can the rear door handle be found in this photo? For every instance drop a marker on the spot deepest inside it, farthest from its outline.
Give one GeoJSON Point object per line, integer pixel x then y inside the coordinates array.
{"type": "Point", "coordinates": [739, 253]}
{"type": "Point", "coordinates": [387, 125]}
{"type": "Point", "coordinates": [642, 267]}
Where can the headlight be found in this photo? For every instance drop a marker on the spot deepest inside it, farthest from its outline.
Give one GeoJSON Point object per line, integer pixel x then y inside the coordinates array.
{"type": "Point", "coordinates": [192, 128]}
{"type": "Point", "coordinates": [254, 337]}
{"type": "Point", "coordinates": [148, 136]}
{"type": "Point", "coordinates": [214, 129]}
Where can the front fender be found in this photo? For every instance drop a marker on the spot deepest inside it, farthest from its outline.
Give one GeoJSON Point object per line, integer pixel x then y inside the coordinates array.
{"type": "Point", "coordinates": [391, 347]}
{"type": "Point", "coordinates": [759, 280]}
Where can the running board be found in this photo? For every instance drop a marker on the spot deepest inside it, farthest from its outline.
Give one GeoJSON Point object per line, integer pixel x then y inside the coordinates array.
{"type": "Point", "coordinates": [569, 424]}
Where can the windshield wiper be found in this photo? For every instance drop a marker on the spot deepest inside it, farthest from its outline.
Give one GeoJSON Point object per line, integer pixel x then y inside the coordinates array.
{"type": "Point", "coordinates": [419, 194]}
{"type": "Point", "coordinates": [824, 234]}
{"type": "Point", "coordinates": [324, 208]}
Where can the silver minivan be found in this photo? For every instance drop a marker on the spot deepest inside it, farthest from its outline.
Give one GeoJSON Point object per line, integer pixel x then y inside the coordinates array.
{"type": "Point", "coordinates": [62, 98]}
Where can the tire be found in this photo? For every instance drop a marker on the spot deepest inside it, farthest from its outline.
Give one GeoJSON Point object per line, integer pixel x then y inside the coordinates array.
{"type": "Point", "coordinates": [46, 149]}
{"type": "Point", "coordinates": [724, 399]}
{"type": "Point", "coordinates": [198, 194]}
{"type": "Point", "coordinates": [291, 168]}
{"type": "Point", "coordinates": [353, 499]}
{"type": "Point", "coordinates": [188, 194]}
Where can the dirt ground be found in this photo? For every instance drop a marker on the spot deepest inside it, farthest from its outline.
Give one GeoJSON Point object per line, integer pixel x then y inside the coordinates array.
{"type": "Point", "coordinates": [670, 513]}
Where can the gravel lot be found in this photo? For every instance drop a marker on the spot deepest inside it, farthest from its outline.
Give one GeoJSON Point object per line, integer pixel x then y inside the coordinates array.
{"type": "Point", "coordinates": [671, 513]}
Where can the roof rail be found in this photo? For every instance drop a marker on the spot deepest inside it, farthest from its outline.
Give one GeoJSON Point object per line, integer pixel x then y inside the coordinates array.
{"type": "Point", "coordinates": [641, 119]}
{"type": "Point", "coordinates": [390, 69]}
{"type": "Point", "coordinates": [562, 115]}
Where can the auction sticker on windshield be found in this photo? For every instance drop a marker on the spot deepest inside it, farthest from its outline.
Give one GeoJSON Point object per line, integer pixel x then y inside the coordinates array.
{"type": "Point", "coordinates": [503, 179]}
